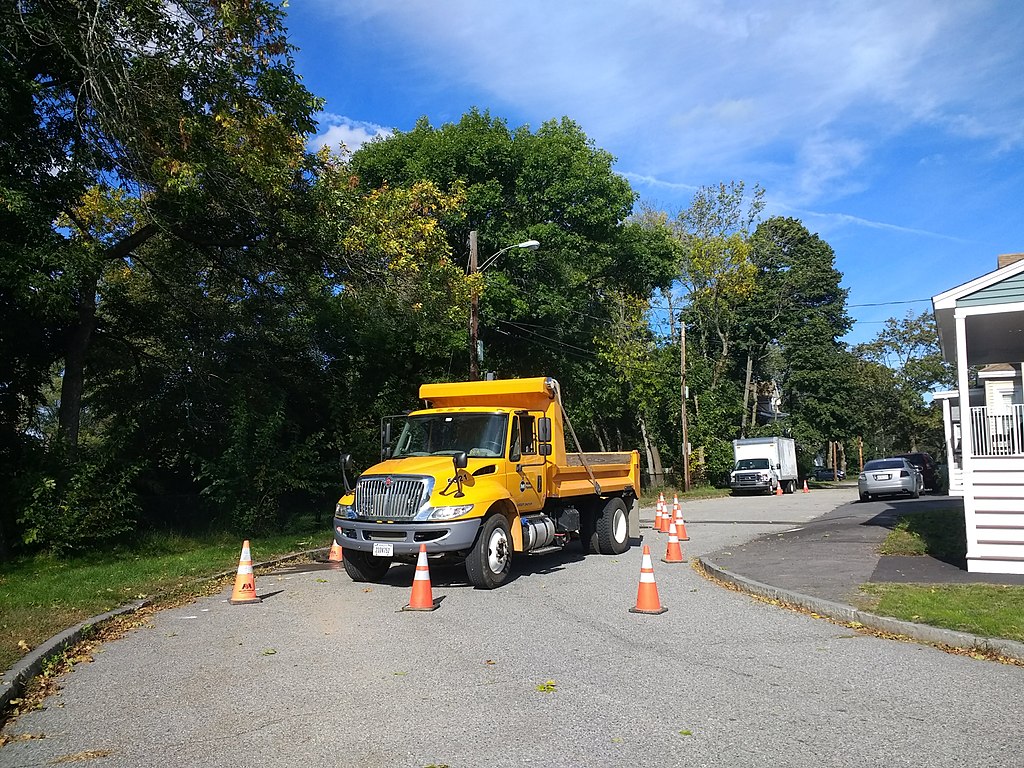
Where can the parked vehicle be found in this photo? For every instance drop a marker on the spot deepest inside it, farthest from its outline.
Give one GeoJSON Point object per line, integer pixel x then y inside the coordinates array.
{"type": "Point", "coordinates": [828, 473]}
{"type": "Point", "coordinates": [763, 464]}
{"type": "Point", "coordinates": [926, 466]}
{"type": "Point", "coordinates": [890, 476]}
{"type": "Point", "coordinates": [480, 475]}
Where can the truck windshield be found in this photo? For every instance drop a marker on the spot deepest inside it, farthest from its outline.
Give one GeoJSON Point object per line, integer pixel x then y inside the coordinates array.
{"type": "Point", "coordinates": [752, 464]}
{"type": "Point", "coordinates": [480, 435]}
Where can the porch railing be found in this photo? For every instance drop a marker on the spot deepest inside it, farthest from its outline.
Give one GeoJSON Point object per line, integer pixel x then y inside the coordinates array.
{"type": "Point", "coordinates": [998, 432]}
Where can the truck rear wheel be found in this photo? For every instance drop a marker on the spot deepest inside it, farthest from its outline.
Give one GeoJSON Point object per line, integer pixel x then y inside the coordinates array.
{"type": "Point", "coordinates": [613, 528]}
{"type": "Point", "coordinates": [362, 566]}
{"type": "Point", "coordinates": [489, 562]}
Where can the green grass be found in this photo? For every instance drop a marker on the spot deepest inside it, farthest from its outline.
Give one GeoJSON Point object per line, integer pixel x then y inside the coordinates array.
{"type": "Point", "coordinates": [988, 610]}
{"type": "Point", "coordinates": [44, 595]}
{"type": "Point", "coordinates": [650, 497]}
{"type": "Point", "coordinates": [981, 609]}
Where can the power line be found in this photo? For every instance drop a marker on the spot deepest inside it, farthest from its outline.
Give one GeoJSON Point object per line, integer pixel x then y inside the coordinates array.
{"type": "Point", "coordinates": [889, 303]}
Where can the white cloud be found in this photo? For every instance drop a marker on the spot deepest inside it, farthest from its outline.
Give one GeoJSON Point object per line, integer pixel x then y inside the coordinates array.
{"type": "Point", "coordinates": [346, 135]}
{"type": "Point", "coordinates": [692, 92]}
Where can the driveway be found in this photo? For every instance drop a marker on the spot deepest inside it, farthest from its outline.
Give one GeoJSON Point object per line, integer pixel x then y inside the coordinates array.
{"type": "Point", "coordinates": [549, 670]}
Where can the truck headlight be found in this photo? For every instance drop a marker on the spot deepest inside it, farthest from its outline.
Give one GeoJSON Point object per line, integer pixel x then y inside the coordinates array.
{"type": "Point", "coordinates": [345, 511]}
{"type": "Point", "coordinates": [447, 513]}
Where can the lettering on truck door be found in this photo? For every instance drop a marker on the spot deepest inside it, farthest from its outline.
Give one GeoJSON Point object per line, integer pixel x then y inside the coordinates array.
{"type": "Point", "coordinates": [525, 477]}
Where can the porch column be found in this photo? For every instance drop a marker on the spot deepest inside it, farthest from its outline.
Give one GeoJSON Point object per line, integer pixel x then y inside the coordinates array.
{"type": "Point", "coordinates": [966, 432]}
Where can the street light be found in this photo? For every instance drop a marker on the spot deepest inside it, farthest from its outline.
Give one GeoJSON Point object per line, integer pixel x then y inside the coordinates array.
{"type": "Point", "coordinates": [474, 305]}
{"type": "Point", "coordinates": [528, 245]}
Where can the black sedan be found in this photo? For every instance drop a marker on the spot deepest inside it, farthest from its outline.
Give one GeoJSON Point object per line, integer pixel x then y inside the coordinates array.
{"type": "Point", "coordinates": [828, 473]}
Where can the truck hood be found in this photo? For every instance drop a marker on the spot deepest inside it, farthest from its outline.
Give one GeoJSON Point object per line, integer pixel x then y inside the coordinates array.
{"type": "Point", "coordinates": [440, 467]}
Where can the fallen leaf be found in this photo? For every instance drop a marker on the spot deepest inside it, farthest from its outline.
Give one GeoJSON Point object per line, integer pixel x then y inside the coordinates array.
{"type": "Point", "coordinates": [269, 651]}
{"type": "Point", "coordinates": [23, 646]}
{"type": "Point", "coordinates": [90, 754]}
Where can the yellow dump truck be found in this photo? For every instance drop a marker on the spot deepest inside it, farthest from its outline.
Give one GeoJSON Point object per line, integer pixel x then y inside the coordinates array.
{"type": "Point", "coordinates": [483, 474]}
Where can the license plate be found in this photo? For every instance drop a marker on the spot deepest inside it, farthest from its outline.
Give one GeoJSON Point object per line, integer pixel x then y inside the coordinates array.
{"type": "Point", "coordinates": [877, 477]}
{"type": "Point", "coordinates": [381, 549]}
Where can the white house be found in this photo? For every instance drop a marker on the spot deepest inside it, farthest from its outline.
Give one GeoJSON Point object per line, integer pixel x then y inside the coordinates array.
{"type": "Point", "coordinates": [981, 327]}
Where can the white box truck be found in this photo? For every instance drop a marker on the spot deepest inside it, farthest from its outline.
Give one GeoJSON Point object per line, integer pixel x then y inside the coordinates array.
{"type": "Point", "coordinates": [763, 464]}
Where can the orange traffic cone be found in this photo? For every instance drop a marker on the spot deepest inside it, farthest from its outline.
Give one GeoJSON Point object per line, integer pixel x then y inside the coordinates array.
{"type": "Point", "coordinates": [681, 526]}
{"type": "Point", "coordinates": [336, 555]}
{"type": "Point", "coordinates": [675, 511]}
{"type": "Point", "coordinates": [245, 581]}
{"type": "Point", "coordinates": [674, 553]}
{"type": "Point", "coordinates": [778, 489]}
{"type": "Point", "coordinates": [806, 489]}
{"type": "Point", "coordinates": [659, 513]}
{"type": "Point", "coordinates": [422, 598]}
{"type": "Point", "coordinates": [647, 594]}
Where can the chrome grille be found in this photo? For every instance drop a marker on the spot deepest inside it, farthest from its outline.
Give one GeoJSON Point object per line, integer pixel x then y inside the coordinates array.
{"type": "Point", "coordinates": [391, 497]}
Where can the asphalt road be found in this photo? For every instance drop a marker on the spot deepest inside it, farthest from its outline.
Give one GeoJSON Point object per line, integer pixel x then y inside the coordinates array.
{"type": "Point", "coordinates": [325, 672]}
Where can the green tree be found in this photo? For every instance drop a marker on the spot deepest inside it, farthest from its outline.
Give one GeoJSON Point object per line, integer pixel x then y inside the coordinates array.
{"type": "Point", "coordinates": [192, 108]}
{"type": "Point", "coordinates": [792, 322]}
{"type": "Point", "coordinates": [540, 311]}
{"type": "Point", "coordinates": [909, 348]}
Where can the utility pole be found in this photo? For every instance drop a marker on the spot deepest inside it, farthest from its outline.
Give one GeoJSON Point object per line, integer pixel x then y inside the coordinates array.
{"type": "Point", "coordinates": [474, 314]}
{"type": "Point", "coordinates": [682, 402]}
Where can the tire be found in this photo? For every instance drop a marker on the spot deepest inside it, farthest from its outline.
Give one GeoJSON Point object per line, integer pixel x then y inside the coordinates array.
{"type": "Point", "coordinates": [489, 562]}
{"type": "Point", "coordinates": [362, 566]}
{"type": "Point", "coordinates": [613, 528]}
{"type": "Point", "coordinates": [790, 487]}
{"type": "Point", "coordinates": [865, 497]}
{"type": "Point", "coordinates": [916, 494]}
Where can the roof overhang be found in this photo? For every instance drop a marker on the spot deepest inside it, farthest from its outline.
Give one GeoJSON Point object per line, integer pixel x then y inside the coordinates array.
{"type": "Point", "coordinates": [995, 332]}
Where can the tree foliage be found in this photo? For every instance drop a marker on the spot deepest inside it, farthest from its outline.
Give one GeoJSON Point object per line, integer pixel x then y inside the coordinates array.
{"type": "Point", "coordinates": [197, 314]}
{"type": "Point", "coordinates": [543, 312]}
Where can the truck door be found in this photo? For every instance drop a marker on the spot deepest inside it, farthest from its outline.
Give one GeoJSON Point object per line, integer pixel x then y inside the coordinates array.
{"type": "Point", "coordinates": [525, 478]}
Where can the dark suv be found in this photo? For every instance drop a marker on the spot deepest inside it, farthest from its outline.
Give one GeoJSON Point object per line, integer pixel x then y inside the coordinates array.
{"type": "Point", "coordinates": [926, 466]}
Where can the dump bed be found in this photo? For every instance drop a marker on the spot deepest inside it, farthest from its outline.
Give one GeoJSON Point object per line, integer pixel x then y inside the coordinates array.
{"type": "Point", "coordinates": [613, 472]}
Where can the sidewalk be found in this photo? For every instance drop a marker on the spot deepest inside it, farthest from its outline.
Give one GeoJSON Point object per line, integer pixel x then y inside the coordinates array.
{"type": "Point", "coordinates": [831, 556]}
{"type": "Point", "coordinates": [820, 565]}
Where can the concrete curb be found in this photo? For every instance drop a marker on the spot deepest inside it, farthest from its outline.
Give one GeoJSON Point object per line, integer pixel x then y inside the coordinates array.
{"type": "Point", "coordinates": [14, 680]}
{"type": "Point", "coordinates": [847, 613]}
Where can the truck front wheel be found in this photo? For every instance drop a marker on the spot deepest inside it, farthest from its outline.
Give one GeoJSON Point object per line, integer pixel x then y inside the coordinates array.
{"type": "Point", "coordinates": [362, 566]}
{"type": "Point", "coordinates": [489, 562]}
{"type": "Point", "coordinates": [613, 528]}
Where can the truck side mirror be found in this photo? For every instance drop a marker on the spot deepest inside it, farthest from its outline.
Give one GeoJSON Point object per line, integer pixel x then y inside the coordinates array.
{"type": "Point", "coordinates": [460, 460]}
{"type": "Point", "coordinates": [545, 449]}
{"type": "Point", "coordinates": [346, 466]}
{"type": "Point", "coordinates": [385, 439]}
{"type": "Point", "coordinates": [544, 430]}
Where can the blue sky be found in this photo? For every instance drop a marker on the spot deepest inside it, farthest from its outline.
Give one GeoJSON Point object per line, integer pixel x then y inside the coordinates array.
{"type": "Point", "coordinates": [894, 129]}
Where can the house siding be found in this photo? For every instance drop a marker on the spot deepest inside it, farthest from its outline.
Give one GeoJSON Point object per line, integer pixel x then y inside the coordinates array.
{"type": "Point", "coordinates": [996, 532]}
{"type": "Point", "coordinates": [1004, 292]}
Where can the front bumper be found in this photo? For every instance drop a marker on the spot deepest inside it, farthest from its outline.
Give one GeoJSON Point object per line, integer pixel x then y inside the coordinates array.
{"type": "Point", "coordinates": [750, 483]}
{"type": "Point", "coordinates": [406, 537]}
